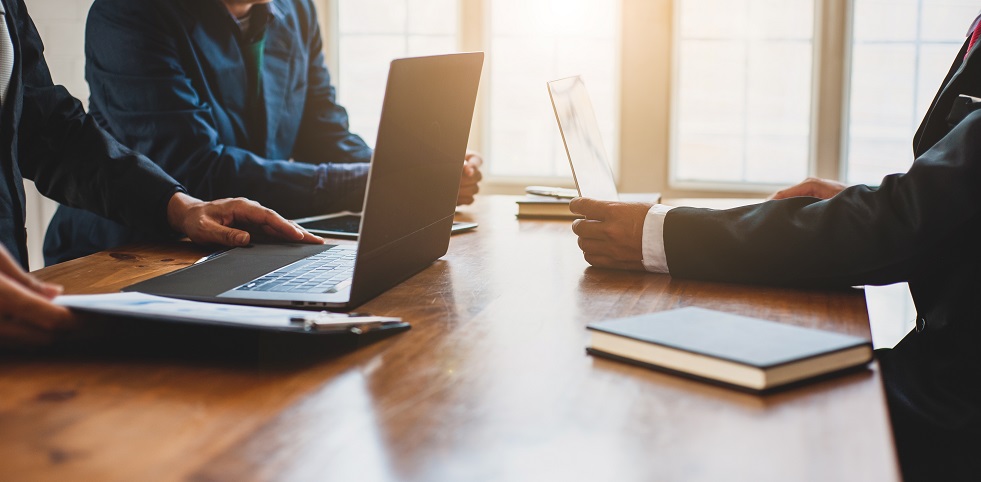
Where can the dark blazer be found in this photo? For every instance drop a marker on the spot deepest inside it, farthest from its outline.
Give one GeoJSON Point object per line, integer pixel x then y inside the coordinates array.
{"type": "Point", "coordinates": [46, 136]}
{"type": "Point", "coordinates": [923, 226]}
{"type": "Point", "coordinates": [169, 78]}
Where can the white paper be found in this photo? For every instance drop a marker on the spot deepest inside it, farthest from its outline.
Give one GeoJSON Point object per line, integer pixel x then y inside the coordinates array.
{"type": "Point", "coordinates": [142, 305]}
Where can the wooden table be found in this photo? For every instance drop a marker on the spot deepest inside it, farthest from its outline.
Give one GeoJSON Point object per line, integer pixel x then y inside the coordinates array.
{"type": "Point", "coordinates": [491, 383]}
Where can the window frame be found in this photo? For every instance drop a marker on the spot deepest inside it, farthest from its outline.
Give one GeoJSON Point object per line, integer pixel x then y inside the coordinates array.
{"type": "Point", "coordinates": [647, 76]}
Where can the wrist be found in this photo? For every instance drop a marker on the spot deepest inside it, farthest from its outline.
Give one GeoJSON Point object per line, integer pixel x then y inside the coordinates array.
{"type": "Point", "coordinates": [177, 208]}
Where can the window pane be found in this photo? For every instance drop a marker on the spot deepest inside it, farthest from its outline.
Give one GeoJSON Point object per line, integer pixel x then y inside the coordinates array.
{"type": "Point", "coordinates": [531, 42]}
{"type": "Point", "coordinates": [901, 51]}
{"type": "Point", "coordinates": [372, 33]}
{"type": "Point", "coordinates": [743, 91]}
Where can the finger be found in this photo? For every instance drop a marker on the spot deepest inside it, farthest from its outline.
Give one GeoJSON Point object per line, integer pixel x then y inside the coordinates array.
{"type": "Point", "coordinates": [469, 190]}
{"type": "Point", "coordinates": [590, 208]}
{"type": "Point", "coordinates": [793, 191]}
{"type": "Point", "coordinates": [9, 267]}
{"type": "Point", "coordinates": [464, 200]}
{"type": "Point", "coordinates": [474, 159]}
{"type": "Point", "coordinates": [596, 247]}
{"type": "Point", "coordinates": [610, 250]}
{"type": "Point", "coordinates": [252, 212]}
{"type": "Point", "coordinates": [308, 238]}
{"type": "Point", "coordinates": [28, 307]}
{"type": "Point", "coordinates": [471, 176]}
{"type": "Point", "coordinates": [210, 231]}
{"type": "Point", "coordinates": [590, 229]}
{"type": "Point", "coordinates": [610, 263]}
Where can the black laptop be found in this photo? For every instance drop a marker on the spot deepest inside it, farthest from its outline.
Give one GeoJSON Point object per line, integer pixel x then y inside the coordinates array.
{"type": "Point", "coordinates": [407, 214]}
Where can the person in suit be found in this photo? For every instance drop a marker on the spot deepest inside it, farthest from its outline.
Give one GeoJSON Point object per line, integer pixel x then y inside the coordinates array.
{"type": "Point", "coordinates": [47, 137]}
{"type": "Point", "coordinates": [232, 98]}
{"type": "Point", "coordinates": [922, 226]}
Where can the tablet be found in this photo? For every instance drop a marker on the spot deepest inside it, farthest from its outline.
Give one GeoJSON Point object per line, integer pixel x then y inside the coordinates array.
{"type": "Point", "coordinates": [346, 224]}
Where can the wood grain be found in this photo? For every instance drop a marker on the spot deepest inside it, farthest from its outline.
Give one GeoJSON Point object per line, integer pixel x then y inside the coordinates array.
{"type": "Point", "coordinates": [491, 383]}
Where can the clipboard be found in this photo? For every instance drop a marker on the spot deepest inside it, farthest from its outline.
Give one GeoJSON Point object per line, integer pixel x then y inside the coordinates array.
{"type": "Point", "coordinates": [141, 306]}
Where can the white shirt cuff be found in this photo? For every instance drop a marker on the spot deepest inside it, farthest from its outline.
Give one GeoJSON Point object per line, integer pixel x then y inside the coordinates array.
{"type": "Point", "coordinates": [652, 241]}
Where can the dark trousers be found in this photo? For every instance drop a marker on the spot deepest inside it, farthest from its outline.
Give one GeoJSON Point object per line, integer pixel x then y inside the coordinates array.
{"type": "Point", "coordinates": [933, 390]}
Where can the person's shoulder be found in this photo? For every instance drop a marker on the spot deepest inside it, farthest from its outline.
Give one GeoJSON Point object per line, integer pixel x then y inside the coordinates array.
{"type": "Point", "coordinates": [301, 15]}
{"type": "Point", "coordinates": [301, 8]}
{"type": "Point", "coordinates": [133, 13]}
{"type": "Point", "coordinates": [120, 9]}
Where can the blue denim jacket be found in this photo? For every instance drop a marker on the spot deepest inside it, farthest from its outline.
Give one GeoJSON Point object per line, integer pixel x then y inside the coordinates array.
{"type": "Point", "coordinates": [169, 78]}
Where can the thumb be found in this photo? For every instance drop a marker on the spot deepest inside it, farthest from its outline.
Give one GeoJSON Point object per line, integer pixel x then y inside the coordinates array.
{"type": "Point", "coordinates": [590, 208]}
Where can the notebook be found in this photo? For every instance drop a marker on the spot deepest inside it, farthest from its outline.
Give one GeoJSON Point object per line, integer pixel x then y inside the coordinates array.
{"type": "Point", "coordinates": [407, 214]}
{"type": "Point", "coordinates": [737, 351]}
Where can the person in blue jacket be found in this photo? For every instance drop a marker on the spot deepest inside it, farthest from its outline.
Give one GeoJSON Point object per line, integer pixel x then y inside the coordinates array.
{"type": "Point", "coordinates": [232, 98]}
{"type": "Point", "coordinates": [47, 137]}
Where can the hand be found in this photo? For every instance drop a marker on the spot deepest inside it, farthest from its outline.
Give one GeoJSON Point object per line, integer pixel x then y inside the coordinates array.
{"type": "Point", "coordinates": [612, 234]}
{"type": "Point", "coordinates": [471, 176]}
{"type": "Point", "coordinates": [211, 222]}
{"type": "Point", "coordinates": [811, 187]}
{"type": "Point", "coordinates": [27, 315]}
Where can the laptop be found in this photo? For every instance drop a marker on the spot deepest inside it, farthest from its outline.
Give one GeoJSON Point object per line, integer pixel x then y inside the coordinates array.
{"type": "Point", "coordinates": [406, 217]}
{"type": "Point", "coordinates": [581, 137]}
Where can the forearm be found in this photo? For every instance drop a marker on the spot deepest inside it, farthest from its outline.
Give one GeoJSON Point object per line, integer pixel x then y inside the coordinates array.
{"type": "Point", "coordinates": [291, 188]}
{"type": "Point", "coordinates": [861, 236]}
{"type": "Point", "coordinates": [92, 171]}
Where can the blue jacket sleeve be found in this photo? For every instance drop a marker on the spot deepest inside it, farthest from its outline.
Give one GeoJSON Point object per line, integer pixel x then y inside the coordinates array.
{"type": "Point", "coordinates": [145, 98]}
{"type": "Point", "coordinates": [861, 236]}
{"type": "Point", "coordinates": [71, 159]}
{"type": "Point", "coordinates": [324, 130]}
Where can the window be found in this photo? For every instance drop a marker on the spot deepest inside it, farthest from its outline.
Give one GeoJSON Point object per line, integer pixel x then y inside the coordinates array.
{"type": "Point", "coordinates": [531, 42]}
{"type": "Point", "coordinates": [743, 91]}
{"type": "Point", "coordinates": [527, 43]}
{"type": "Point", "coordinates": [901, 51]}
{"type": "Point", "coordinates": [371, 34]}
{"type": "Point", "coordinates": [697, 97]}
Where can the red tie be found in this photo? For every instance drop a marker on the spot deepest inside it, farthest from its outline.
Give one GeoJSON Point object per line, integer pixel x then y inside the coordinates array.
{"type": "Point", "coordinates": [974, 39]}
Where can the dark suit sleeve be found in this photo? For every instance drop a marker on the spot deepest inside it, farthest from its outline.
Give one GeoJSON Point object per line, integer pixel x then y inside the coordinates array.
{"type": "Point", "coordinates": [324, 131]}
{"type": "Point", "coordinates": [148, 101]}
{"type": "Point", "coordinates": [861, 236]}
{"type": "Point", "coordinates": [72, 160]}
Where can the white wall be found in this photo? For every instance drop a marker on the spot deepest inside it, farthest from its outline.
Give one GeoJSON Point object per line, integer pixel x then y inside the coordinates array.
{"type": "Point", "coordinates": [62, 27]}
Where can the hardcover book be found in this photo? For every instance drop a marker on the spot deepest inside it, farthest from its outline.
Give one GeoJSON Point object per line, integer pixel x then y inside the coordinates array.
{"type": "Point", "coordinates": [737, 351]}
{"type": "Point", "coordinates": [532, 206]}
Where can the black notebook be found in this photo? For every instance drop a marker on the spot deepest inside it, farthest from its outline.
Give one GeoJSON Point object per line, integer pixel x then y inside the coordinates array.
{"type": "Point", "coordinates": [738, 351]}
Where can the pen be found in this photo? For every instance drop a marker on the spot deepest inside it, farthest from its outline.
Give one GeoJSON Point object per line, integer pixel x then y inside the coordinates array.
{"type": "Point", "coordinates": [356, 323]}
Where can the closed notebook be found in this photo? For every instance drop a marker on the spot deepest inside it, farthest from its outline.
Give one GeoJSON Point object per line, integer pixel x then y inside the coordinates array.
{"type": "Point", "coordinates": [738, 351]}
{"type": "Point", "coordinates": [532, 206]}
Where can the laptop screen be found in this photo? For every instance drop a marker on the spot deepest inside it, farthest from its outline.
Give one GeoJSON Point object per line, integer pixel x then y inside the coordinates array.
{"type": "Point", "coordinates": [583, 143]}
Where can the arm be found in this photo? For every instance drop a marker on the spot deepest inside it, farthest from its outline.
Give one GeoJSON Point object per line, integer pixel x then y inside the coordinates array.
{"type": "Point", "coordinates": [860, 236]}
{"type": "Point", "coordinates": [75, 162]}
{"type": "Point", "coordinates": [324, 134]}
{"type": "Point", "coordinates": [147, 100]}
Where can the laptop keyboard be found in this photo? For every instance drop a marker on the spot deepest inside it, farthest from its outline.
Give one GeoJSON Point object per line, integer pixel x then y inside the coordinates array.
{"type": "Point", "coordinates": [326, 272]}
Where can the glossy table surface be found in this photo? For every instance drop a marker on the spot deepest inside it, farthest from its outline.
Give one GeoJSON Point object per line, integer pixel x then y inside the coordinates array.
{"type": "Point", "coordinates": [491, 383]}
